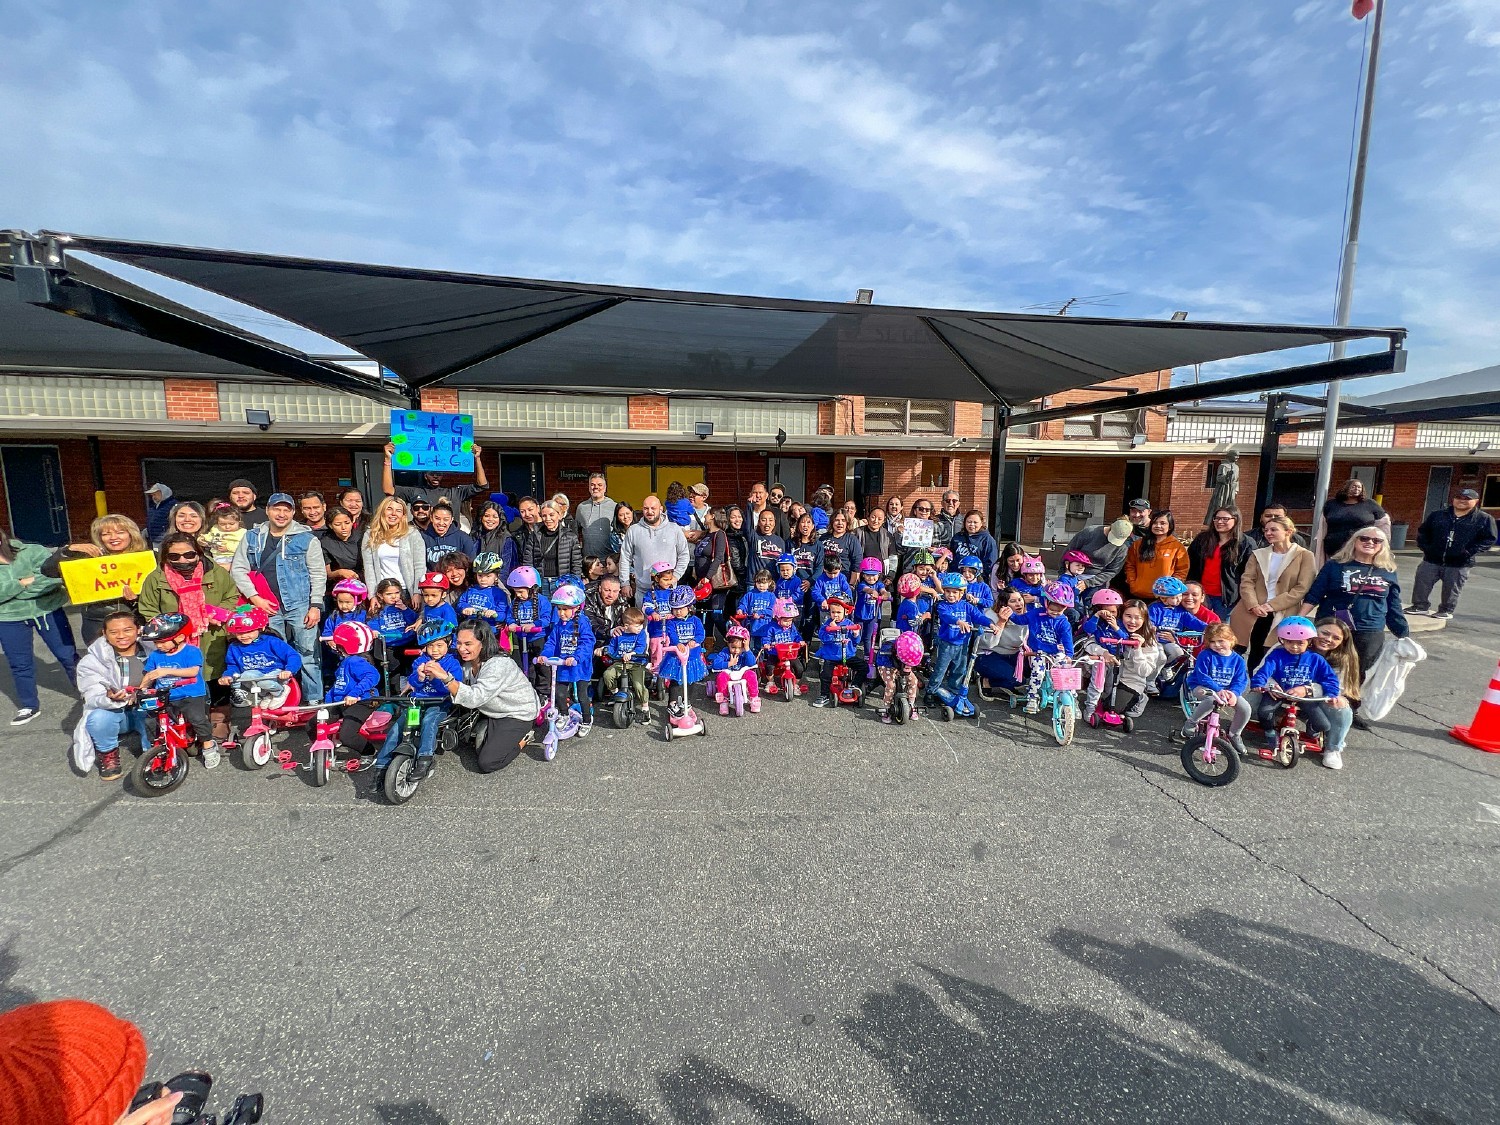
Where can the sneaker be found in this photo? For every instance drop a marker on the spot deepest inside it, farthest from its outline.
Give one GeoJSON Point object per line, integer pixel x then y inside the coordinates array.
{"type": "Point", "coordinates": [1032, 707]}
{"type": "Point", "coordinates": [1360, 722]}
{"type": "Point", "coordinates": [1442, 615]}
{"type": "Point", "coordinates": [723, 706]}
{"type": "Point", "coordinates": [109, 766]}
{"type": "Point", "coordinates": [421, 769]}
{"type": "Point", "coordinates": [643, 717]}
{"type": "Point", "coordinates": [823, 701]}
{"type": "Point", "coordinates": [24, 716]}
{"type": "Point", "coordinates": [1238, 743]}
{"type": "Point", "coordinates": [583, 730]}
{"type": "Point", "coordinates": [720, 698]}
{"type": "Point", "coordinates": [1186, 732]}
{"type": "Point", "coordinates": [1333, 759]}
{"type": "Point", "coordinates": [211, 755]}
{"type": "Point", "coordinates": [1422, 609]}
{"type": "Point", "coordinates": [754, 705]}
{"type": "Point", "coordinates": [885, 717]}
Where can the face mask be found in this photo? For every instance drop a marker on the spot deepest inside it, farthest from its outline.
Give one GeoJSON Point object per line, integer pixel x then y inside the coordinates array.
{"type": "Point", "coordinates": [184, 568]}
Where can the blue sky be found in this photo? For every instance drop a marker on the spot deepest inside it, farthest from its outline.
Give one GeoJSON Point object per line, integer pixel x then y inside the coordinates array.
{"type": "Point", "coordinates": [1185, 154]}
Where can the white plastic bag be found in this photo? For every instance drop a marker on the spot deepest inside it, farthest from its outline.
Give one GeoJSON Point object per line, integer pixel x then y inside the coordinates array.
{"type": "Point", "coordinates": [1387, 678]}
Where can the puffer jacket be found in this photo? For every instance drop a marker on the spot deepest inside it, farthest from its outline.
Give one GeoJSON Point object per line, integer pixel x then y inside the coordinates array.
{"type": "Point", "coordinates": [41, 597]}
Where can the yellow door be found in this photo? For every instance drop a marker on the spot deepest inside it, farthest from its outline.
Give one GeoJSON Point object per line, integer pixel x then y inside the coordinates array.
{"type": "Point", "coordinates": [630, 484]}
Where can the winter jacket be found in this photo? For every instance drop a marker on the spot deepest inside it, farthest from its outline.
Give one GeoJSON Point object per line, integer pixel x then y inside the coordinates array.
{"type": "Point", "coordinates": [603, 619]}
{"type": "Point", "coordinates": [41, 597]}
{"type": "Point", "coordinates": [1170, 560]}
{"type": "Point", "coordinates": [1291, 588]}
{"type": "Point", "coordinates": [412, 561]}
{"type": "Point", "coordinates": [99, 670]}
{"type": "Point", "coordinates": [1448, 539]}
{"type": "Point", "coordinates": [551, 557]}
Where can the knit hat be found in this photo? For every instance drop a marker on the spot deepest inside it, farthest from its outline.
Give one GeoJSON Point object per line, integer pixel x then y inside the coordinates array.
{"type": "Point", "coordinates": [68, 1062]}
{"type": "Point", "coordinates": [1119, 532]}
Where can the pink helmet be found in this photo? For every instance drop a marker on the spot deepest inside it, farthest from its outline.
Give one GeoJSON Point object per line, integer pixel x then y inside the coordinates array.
{"type": "Point", "coordinates": [942, 553]}
{"type": "Point", "coordinates": [353, 637]}
{"type": "Point", "coordinates": [352, 586]}
{"type": "Point", "coordinates": [908, 649]}
{"type": "Point", "coordinates": [1032, 564]}
{"type": "Point", "coordinates": [1106, 596]}
{"type": "Point", "coordinates": [872, 566]}
{"type": "Point", "coordinates": [908, 585]}
{"type": "Point", "coordinates": [1296, 629]}
{"type": "Point", "coordinates": [247, 619]}
{"type": "Point", "coordinates": [1078, 557]}
{"type": "Point", "coordinates": [785, 607]}
{"type": "Point", "coordinates": [522, 578]}
{"type": "Point", "coordinates": [661, 566]}
{"type": "Point", "coordinates": [1059, 592]}
{"type": "Point", "coordinates": [737, 633]}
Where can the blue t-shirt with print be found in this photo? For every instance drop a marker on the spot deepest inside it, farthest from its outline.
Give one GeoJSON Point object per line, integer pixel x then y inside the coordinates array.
{"type": "Point", "coordinates": [188, 656]}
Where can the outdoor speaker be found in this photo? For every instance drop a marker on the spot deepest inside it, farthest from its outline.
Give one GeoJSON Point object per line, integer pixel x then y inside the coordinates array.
{"type": "Point", "coordinates": [870, 476]}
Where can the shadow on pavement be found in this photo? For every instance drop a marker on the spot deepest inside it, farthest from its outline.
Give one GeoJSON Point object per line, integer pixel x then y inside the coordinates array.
{"type": "Point", "coordinates": [10, 995]}
{"type": "Point", "coordinates": [696, 1092]}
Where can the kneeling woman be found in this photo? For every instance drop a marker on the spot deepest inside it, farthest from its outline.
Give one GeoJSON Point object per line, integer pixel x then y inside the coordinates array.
{"type": "Point", "coordinates": [495, 687]}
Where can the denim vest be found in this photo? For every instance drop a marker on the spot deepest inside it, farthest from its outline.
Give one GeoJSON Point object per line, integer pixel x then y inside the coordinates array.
{"type": "Point", "coordinates": [292, 578]}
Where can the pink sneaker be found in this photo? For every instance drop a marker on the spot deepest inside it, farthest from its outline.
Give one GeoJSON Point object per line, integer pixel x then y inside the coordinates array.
{"type": "Point", "coordinates": [723, 707]}
{"type": "Point", "coordinates": [755, 705]}
{"type": "Point", "coordinates": [719, 698]}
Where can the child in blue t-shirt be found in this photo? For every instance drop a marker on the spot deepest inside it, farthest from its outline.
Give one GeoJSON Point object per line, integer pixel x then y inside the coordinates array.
{"type": "Point", "coordinates": [178, 663]}
{"type": "Point", "coordinates": [570, 648]}
{"type": "Point", "coordinates": [431, 675]}
{"type": "Point", "coordinates": [1219, 676]}
{"type": "Point", "coordinates": [757, 605]}
{"type": "Point", "coordinates": [1295, 670]}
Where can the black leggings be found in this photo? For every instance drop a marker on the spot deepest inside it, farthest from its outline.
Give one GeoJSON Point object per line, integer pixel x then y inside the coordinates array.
{"type": "Point", "coordinates": [349, 737]}
{"type": "Point", "coordinates": [1368, 644]}
{"type": "Point", "coordinates": [1259, 634]}
{"type": "Point", "coordinates": [502, 742]}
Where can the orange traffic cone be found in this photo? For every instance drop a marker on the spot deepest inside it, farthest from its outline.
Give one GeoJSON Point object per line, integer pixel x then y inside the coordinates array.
{"type": "Point", "coordinates": [1484, 732]}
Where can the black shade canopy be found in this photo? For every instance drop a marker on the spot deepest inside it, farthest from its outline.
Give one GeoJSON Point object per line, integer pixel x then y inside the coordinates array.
{"type": "Point", "coordinates": [471, 330]}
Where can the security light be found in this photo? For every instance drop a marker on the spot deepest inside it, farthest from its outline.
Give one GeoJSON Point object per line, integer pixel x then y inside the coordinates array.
{"type": "Point", "coordinates": [864, 297]}
{"type": "Point", "coordinates": [261, 418]}
{"type": "Point", "coordinates": [780, 439]}
{"type": "Point", "coordinates": [703, 429]}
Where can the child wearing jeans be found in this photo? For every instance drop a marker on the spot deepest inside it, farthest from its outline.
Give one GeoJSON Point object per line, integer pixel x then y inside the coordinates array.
{"type": "Point", "coordinates": [431, 673]}
{"type": "Point", "coordinates": [1219, 676]}
{"type": "Point", "coordinates": [255, 652]}
{"type": "Point", "coordinates": [954, 618]}
{"type": "Point", "coordinates": [112, 663]}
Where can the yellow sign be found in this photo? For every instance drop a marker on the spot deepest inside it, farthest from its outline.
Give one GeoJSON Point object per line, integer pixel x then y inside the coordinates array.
{"type": "Point", "coordinates": [99, 580]}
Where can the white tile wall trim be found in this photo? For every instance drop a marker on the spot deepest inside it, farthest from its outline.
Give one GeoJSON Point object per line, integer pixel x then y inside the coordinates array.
{"type": "Point", "coordinates": [742, 417]}
{"type": "Point", "coordinates": [499, 410]}
{"type": "Point", "coordinates": [63, 396]}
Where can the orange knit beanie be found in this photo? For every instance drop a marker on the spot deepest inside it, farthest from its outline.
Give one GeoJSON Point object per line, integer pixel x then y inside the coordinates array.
{"type": "Point", "coordinates": [67, 1062]}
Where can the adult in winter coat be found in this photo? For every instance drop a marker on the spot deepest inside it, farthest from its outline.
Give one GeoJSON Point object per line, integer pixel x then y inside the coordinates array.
{"type": "Point", "coordinates": [1158, 553]}
{"type": "Point", "coordinates": [393, 548]}
{"type": "Point", "coordinates": [554, 550]}
{"type": "Point", "coordinates": [113, 534]}
{"type": "Point", "coordinates": [494, 685]}
{"type": "Point", "coordinates": [1359, 584]}
{"type": "Point", "coordinates": [493, 536]}
{"type": "Point", "coordinates": [1346, 512]}
{"type": "Point", "coordinates": [973, 539]}
{"type": "Point", "coordinates": [1216, 556]}
{"type": "Point", "coordinates": [30, 602]}
{"type": "Point", "coordinates": [1273, 583]}
{"type": "Point", "coordinates": [1450, 538]}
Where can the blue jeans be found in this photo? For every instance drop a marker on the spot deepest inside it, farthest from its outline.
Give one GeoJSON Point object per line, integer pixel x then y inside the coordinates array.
{"type": "Point", "coordinates": [305, 641]}
{"type": "Point", "coordinates": [948, 664]}
{"type": "Point", "coordinates": [106, 727]}
{"type": "Point", "coordinates": [15, 642]}
{"type": "Point", "coordinates": [1340, 719]}
{"type": "Point", "coordinates": [432, 716]}
{"type": "Point", "coordinates": [1216, 604]}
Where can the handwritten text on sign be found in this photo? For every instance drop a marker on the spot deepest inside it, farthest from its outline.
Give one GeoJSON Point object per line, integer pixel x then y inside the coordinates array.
{"type": "Point", "coordinates": [97, 580]}
{"type": "Point", "coordinates": [429, 442]}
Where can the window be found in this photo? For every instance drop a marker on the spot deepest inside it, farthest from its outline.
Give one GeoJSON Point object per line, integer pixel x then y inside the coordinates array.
{"type": "Point", "coordinates": [24, 396]}
{"type": "Point", "coordinates": [1491, 494]}
{"type": "Point", "coordinates": [908, 416]}
{"type": "Point", "coordinates": [203, 479]}
{"type": "Point", "coordinates": [743, 417]}
{"type": "Point", "coordinates": [1121, 425]}
{"type": "Point", "coordinates": [934, 472]}
{"type": "Point", "coordinates": [1211, 474]}
{"type": "Point", "coordinates": [1243, 429]}
{"type": "Point", "coordinates": [495, 410]}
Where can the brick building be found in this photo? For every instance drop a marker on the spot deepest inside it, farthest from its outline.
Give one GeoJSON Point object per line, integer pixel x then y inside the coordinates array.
{"type": "Point", "coordinates": [192, 433]}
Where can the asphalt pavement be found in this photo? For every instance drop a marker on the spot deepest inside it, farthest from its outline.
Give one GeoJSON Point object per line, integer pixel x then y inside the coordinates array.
{"type": "Point", "coordinates": [805, 916]}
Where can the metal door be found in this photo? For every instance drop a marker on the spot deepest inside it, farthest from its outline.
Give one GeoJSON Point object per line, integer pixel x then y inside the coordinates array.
{"type": "Point", "coordinates": [521, 475]}
{"type": "Point", "coordinates": [1439, 482]}
{"type": "Point", "coordinates": [368, 468]}
{"type": "Point", "coordinates": [1013, 473]}
{"type": "Point", "coordinates": [1137, 482]}
{"type": "Point", "coordinates": [34, 492]}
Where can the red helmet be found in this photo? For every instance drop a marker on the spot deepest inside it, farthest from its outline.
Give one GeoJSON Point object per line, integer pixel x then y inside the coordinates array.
{"type": "Point", "coordinates": [433, 581]}
{"type": "Point", "coordinates": [353, 637]}
{"type": "Point", "coordinates": [247, 619]}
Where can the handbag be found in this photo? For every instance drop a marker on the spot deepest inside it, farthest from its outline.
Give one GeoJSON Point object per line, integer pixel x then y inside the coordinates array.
{"type": "Point", "coordinates": [721, 577]}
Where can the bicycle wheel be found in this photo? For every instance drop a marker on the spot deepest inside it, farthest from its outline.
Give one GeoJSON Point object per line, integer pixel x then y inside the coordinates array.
{"type": "Point", "coordinates": [255, 752]}
{"type": "Point", "coordinates": [399, 787]}
{"type": "Point", "coordinates": [1223, 769]}
{"type": "Point", "coordinates": [150, 779]}
{"type": "Point", "coordinates": [1189, 704]}
{"type": "Point", "coordinates": [1063, 717]}
{"type": "Point", "coordinates": [1288, 749]}
{"type": "Point", "coordinates": [320, 766]}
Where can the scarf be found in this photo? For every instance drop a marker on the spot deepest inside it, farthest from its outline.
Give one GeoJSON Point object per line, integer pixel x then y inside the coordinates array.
{"type": "Point", "coordinates": [189, 591]}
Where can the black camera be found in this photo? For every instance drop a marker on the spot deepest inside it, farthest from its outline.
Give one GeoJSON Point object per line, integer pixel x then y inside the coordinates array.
{"type": "Point", "coordinates": [194, 1085]}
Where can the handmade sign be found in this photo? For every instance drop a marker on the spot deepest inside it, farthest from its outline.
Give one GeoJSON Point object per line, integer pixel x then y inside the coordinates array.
{"type": "Point", "coordinates": [428, 442]}
{"type": "Point", "coordinates": [916, 533]}
{"type": "Point", "coordinates": [97, 580]}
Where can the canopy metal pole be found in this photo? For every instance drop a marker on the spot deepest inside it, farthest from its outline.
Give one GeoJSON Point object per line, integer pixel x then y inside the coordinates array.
{"type": "Point", "coordinates": [1270, 450]}
{"type": "Point", "coordinates": [1346, 268]}
{"type": "Point", "coordinates": [997, 465]}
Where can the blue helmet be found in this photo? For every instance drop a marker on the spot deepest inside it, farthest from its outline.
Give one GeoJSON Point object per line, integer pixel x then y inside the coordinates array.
{"type": "Point", "coordinates": [1169, 587]}
{"type": "Point", "coordinates": [788, 559]}
{"type": "Point", "coordinates": [950, 581]}
{"type": "Point", "coordinates": [681, 596]}
{"type": "Point", "coordinates": [436, 629]}
{"type": "Point", "coordinates": [970, 562]}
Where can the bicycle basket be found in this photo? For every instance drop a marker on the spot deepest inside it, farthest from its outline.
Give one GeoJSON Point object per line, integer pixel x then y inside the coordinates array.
{"type": "Point", "coordinates": [1069, 678]}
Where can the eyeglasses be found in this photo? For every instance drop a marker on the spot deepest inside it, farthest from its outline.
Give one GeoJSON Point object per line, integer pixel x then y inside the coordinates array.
{"type": "Point", "coordinates": [1218, 518]}
{"type": "Point", "coordinates": [182, 558]}
{"type": "Point", "coordinates": [1369, 539]}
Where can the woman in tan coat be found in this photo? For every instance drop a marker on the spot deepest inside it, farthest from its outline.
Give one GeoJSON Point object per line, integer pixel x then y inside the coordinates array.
{"type": "Point", "coordinates": [1272, 585]}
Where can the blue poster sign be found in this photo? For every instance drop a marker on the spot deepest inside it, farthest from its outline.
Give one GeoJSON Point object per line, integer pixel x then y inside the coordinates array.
{"type": "Point", "coordinates": [428, 442]}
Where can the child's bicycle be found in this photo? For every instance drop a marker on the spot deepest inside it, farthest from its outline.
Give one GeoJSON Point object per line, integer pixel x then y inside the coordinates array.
{"type": "Point", "coordinates": [560, 724]}
{"type": "Point", "coordinates": [163, 765]}
{"type": "Point", "coordinates": [268, 725]}
{"type": "Point", "coordinates": [1174, 674]}
{"type": "Point", "coordinates": [782, 678]}
{"type": "Point", "coordinates": [461, 727]}
{"type": "Point", "coordinates": [1060, 691]}
{"type": "Point", "coordinates": [1104, 711]}
{"type": "Point", "coordinates": [322, 752]}
{"type": "Point", "coordinates": [1206, 755]}
{"type": "Point", "coordinates": [1291, 741]}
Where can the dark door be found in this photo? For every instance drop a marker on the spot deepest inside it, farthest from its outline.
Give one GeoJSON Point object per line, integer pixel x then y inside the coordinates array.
{"type": "Point", "coordinates": [34, 491]}
{"type": "Point", "coordinates": [1439, 482]}
{"type": "Point", "coordinates": [521, 474]}
{"type": "Point", "coordinates": [1009, 529]}
{"type": "Point", "coordinates": [1137, 482]}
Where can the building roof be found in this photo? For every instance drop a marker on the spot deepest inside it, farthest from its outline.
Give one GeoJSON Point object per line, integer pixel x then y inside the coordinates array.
{"type": "Point", "coordinates": [480, 331]}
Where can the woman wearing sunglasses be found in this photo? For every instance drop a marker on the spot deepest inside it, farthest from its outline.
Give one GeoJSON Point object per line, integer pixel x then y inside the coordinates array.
{"type": "Point", "coordinates": [191, 583]}
{"type": "Point", "coordinates": [1359, 586]}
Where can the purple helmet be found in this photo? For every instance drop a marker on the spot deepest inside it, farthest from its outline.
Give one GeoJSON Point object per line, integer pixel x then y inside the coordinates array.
{"type": "Point", "coordinates": [1078, 557]}
{"type": "Point", "coordinates": [681, 596]}
{"type": "Point", "coordinates": [523, 578]}
{"type": "Point", "coordinates": [1059, 592]}
{"type": "Point", "coordinates": [908, 649]}
{"type": "Point", "coordinates": [872, 566]}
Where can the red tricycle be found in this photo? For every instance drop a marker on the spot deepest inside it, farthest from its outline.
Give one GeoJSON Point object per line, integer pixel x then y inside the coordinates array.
{"type": "Point", "coordinates": [781, 678]}
{"type": "Point", "coordinates": [1291, 741]}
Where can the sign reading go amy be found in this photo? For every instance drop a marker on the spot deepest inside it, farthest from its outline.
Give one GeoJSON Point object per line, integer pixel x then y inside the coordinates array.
{"type": "Point", "coordinates": [427, 442]}
{"type": "Point", "coordinates": [97, 580]}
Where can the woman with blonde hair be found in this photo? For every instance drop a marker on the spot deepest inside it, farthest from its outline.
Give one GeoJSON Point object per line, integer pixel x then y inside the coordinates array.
{"type": "Point", "coordinates": [1360, 587]}
{"type": "Point", "coordinates": [1273, 583]}
{"type": "Point", "coordinates": [393, 548]}
{"type": "Point", "coordinates": [113, 534]}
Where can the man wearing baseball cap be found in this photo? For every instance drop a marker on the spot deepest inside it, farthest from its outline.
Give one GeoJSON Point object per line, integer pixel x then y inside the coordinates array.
{"type": "Point", "coordinates": [242, 496]}
{"type": "Point", "coordinates": [279, 567]}
{"type": "Point", "coordinates": [1106, 545]}
{"type": "Point", "coordinates": [1450, 538]}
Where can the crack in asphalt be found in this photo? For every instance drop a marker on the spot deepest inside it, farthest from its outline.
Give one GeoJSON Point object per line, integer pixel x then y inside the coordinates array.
{"type": "Point", "coordinates": [1317, 890]}
{"type": "Point", "coordinates": [74, 827]}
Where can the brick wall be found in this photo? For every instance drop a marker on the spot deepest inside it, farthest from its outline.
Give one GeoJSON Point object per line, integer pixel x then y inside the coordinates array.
{"type": "Point", "coordinates": [648, 412]}
{"type": "Point", "coordinates": [192, 400]}
{"type": "Point", "coordinates": [440, 400]}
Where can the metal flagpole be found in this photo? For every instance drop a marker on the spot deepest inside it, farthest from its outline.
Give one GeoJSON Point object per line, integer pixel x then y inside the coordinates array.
{"type": "Point", "coordinates": [1346, 272]}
